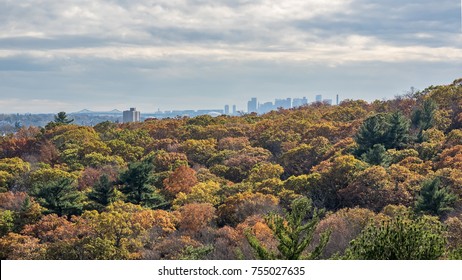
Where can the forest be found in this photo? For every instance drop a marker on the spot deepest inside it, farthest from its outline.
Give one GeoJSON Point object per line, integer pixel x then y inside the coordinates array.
{"type": "Point", "coordinates": [379, 180]}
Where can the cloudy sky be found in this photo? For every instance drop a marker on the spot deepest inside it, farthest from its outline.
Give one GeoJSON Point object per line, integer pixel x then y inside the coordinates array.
{"type": "Point", "coordinates": [69, 55]}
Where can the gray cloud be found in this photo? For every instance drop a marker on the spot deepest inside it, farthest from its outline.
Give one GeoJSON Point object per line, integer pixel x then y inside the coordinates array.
{"type": "Point", "coordinates": [23, 64]}
{"type": "Point", "coordinates": [61, 42]}
{"type": "Point", "coordinates": [115, 52]}
{"type": "Point", "coordinates": [243, 24]}
{"type": "Point", "coordinates": [416, 22]}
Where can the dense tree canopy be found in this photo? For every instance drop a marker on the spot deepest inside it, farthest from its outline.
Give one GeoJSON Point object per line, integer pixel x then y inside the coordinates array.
{"type": "Point", "coordinates": [387, 175]}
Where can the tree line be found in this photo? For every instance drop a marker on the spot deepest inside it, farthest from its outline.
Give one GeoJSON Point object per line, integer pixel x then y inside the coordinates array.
{"type": "Point", "coordinates": [380, 180]}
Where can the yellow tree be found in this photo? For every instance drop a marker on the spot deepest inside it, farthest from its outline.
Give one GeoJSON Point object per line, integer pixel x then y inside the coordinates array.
{"type": "Point", "coordinates": [122, 229]}
{"type": "Point", "coordinates": [201, 193]}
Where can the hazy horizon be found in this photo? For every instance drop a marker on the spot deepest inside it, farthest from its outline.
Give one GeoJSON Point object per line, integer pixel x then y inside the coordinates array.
{"type": "Point", "coordinates": [243, 108]}
{"type": "Point", "coordinates": [201, 54]}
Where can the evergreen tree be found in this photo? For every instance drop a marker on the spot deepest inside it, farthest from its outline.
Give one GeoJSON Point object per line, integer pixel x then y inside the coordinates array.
{"type": "Point", "coordinates": [137, 181]}
{"type": "Point", "coordinates": [293, 234]}
{"type": "Point", "coordinates": [377, 155]}
{"type": "Point", "coordinates": [6, 221]}
{"type": "Point", "coordinates": [422, 118]}
{"type": "Point", "coordinates": [373, 131]}
{"type": "Point", "coordinates": [399, 239]}
{"type": "Point", "coordinates": [196, 253]}
{"type": "Point", "coordinates": [398, 132]}
{"type": "Point", "coordinates": [455, 254]}
{"type": "Point", "coordinates": [433, 199]}
{"type": "Point", "coordinates": [103, 193]}
{"type": "Point", "coordinates": [62, 118]}
{"type": "Point", "coordinates": [391, 131]}
{"type": "Point", "coordinates": [60, 197]}
{"type": "Point", "coordinates": [29, 213]}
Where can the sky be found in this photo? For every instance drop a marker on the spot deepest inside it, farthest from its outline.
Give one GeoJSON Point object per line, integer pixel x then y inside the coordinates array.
{"type": "Point", "coordinates": [70, 55]}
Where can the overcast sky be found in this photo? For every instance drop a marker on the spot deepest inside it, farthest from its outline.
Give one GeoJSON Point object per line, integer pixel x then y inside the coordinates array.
{"type": "Point", "coordinates": [68, 55]}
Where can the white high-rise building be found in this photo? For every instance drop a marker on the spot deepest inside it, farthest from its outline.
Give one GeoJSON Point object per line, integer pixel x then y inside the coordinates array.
{"type": "Point", "coordinates": [131, 116]}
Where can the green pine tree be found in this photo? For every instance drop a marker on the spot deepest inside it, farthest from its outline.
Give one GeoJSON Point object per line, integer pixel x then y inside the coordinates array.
{"type": "Point", "coordinates": [294, 232]}
{"type": "Point", "coordinates": [389, 130]}
{"type": "Point", "coordinates": [455, 254]}
{"type": "Point", "coordinates": [434, 199]}
{"type": "Point", "coordinates": [29, 213]}
{"type": "Point", "coordinates": [422, 118]}
{"type": "Point", "coordinates": [6, 221]}
{"type": "Point", "coordinates": [62, 118]}
{"type": "Point", "coordinates": [373, 131]}
{"type": "Point", "coordinates": [377, 155]}
{"type": "Point", "coordinates": [400, 238]}
{"type": "Point", "coordinates": [138, 185]}
{"type": "Point", "coordinates": [398, 132]}
{"type": "Point", "coordinates": [61, 197]}
{"type": "Point", "coordinates": [196, 253]}
{"type": "Point", "coordinates": [103, 193]}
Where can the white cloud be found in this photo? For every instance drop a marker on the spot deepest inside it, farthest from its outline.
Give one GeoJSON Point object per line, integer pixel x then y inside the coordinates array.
{"type": "Point", "coordinates": [133, 22]}
{"type": "Point", "coordinates": [352, 48]}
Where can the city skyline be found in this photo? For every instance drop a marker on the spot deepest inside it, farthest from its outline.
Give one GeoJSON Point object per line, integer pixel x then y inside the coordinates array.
{"type": "Point", "coordinates": [69, 55]}
{"type": "Point", "coordinates": [231, 109]}
{"type": "Point", "coordinates": [10, 122]}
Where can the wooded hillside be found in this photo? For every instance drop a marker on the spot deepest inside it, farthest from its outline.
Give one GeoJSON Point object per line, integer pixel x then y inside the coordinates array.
{"type": "Point", "coordinates": [379, 180]}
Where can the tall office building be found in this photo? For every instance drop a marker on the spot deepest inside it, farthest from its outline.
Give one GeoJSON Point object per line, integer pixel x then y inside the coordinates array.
{"type": "Point", "coordinates": [226, 109]}
{"type": "Point", "coordinates": [297, 102]}
{"type": "Point", "coordinates": [319, 98]}
{"type": "Point", "coordinates": [234, 110]}
{"type": "Point", "coordinates": [252, 105]}
{"type": "Point", "coordinates": [337, 100]}
{"type": "Point", "coordinates": [283, 103]}
{"type": "Point", "coordinates": [327, 101]}
{"type": "Point", "coordinates": [131, 116]}
{"type": "Point", "coordinates": [266, 107]}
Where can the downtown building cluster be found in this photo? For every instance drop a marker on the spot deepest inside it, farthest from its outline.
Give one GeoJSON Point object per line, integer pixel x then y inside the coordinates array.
{"type": "Point", "coordinates": [253, 106]}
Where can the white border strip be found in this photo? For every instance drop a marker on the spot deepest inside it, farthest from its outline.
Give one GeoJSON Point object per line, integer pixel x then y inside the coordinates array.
{"type": "Point", "coordinates": [314, 270]}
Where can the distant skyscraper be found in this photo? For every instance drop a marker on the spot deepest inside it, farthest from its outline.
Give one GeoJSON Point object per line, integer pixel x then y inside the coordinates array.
{"type": "Point", "coordinates": [297, 102]}
{"type": "Point", "coordinates": [337, 100]}
{"type": "Point", "coordinates": [319, 98]}
{"type": "Point", "coordinates": [226, 109]}
{"type": "Point", "coordinates": [131, 116]}
{"type": "Point", "coordinates": [283, 103]}
{"type": "Point", "coordinates": [266, 107]}
{"type": "Point", "coordinates": [252, 105]}
{"type": "Point", "coordinates": [327, 101]}
{"type": "Point", "coordinates": [234, 110]}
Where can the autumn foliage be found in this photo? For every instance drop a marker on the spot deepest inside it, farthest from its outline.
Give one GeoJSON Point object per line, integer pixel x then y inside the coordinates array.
{"type": "Point", "coordinates": [379, 180]}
